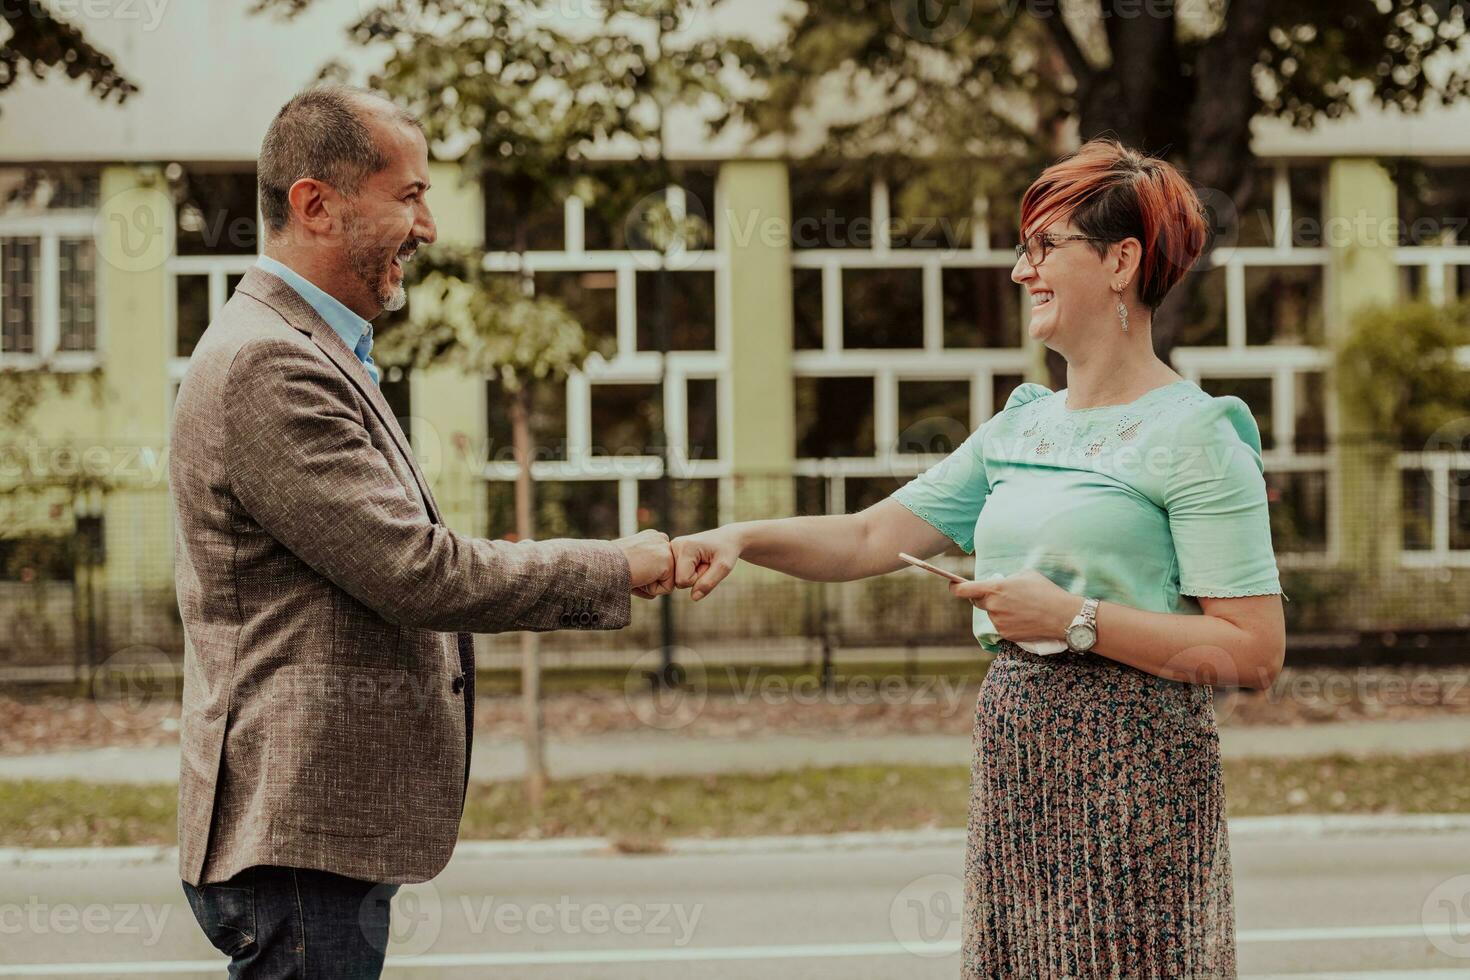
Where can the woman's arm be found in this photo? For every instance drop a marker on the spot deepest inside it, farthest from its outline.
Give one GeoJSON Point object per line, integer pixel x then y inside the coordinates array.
{"type": "Point", "coordinates": [1237, 642]}
{"type": "Point", "coordinates": [839, 548]}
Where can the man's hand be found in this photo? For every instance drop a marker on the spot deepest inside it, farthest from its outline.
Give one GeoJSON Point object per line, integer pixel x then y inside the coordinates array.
{"type": "Point", "coordinates": [701, 561]}
{"type": "Point", "coordinates": [650, 562]}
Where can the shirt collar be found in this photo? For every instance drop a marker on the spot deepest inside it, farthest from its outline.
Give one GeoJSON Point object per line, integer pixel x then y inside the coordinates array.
{"type": "Point", "coordinates": [353, 329]}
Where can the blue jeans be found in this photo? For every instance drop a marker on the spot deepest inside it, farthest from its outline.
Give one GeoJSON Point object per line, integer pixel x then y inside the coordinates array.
{"type": "Point", "coordinates": [290, 922]}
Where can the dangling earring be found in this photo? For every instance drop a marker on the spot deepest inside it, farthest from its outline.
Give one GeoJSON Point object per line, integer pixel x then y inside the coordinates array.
{"type": "Point", "coordinates": [1122, 307]}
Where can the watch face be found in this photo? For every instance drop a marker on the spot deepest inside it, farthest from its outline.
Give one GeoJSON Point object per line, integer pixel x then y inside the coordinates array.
{"type": "Point", "coordinates": [1081, 636]}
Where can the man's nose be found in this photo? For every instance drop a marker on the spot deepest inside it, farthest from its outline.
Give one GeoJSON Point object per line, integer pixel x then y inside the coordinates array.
{"type": "Point", "coordinates": [423, 225]}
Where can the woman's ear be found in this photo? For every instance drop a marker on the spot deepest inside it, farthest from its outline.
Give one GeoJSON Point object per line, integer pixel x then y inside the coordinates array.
{"type": "Point", "coordinates": [1128, 258]}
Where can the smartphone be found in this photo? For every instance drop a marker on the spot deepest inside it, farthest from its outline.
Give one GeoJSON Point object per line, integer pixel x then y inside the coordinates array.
{"type": "Point", "coordinates": [921, 563]}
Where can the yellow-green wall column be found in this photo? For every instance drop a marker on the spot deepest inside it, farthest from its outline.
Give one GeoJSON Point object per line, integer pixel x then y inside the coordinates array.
{"type": "Point", "coordinates": [134, 239]}
{"type": "Point", "coordinates": [754, 229]}
{"type": "Point", "coordinates": [1361, 213]}
{"type": "Point", "coordinates": [449, 424]}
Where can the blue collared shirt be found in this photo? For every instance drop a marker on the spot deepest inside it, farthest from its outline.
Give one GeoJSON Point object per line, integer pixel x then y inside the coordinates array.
{"type": "Point", "coordinates": [356, 332]}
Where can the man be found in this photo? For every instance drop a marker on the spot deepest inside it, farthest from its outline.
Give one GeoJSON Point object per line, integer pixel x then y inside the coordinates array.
{"type": "Point", "coordinates": [328, 672]}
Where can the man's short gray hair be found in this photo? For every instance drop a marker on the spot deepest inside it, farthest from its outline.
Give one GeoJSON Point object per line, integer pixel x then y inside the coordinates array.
{"type": "Point", "coordinates": [320, 133]}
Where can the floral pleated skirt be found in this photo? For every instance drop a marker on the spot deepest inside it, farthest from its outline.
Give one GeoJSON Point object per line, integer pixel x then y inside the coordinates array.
{"type": "Point", "coordinates": [1097, 841]}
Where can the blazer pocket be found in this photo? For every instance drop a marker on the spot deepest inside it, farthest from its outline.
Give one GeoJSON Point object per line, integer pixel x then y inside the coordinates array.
{"type": "Point", "coordinates": [334, 750]}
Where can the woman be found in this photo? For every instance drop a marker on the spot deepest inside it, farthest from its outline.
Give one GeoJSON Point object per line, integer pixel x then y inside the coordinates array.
{"type": "Point", "coordinates": [1125, 515]}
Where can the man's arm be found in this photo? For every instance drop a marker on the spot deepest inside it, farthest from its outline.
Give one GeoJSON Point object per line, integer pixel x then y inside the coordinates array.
{"type": "Point", "coordinates": [303, 466]}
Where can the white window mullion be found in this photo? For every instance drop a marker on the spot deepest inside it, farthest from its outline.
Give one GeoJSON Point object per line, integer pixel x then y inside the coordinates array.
{"type": "Point", "coordinates": [933, 307]}
{"type": "Point", "coordinates": [676, 419]}
{"type": "Point", "coordinates": [1281, 208]}
{"type": "Point", "coordinates": [579, 417]}
{"type": "Point", "coordinates": [627, 310]}
{"type": "Point", "coordinates": [48, 303]}
{"type": "Point", "coordinates": [885, 414]}
{"type": "Point", "coordinates": [574, 218]}
{"type": "Point", "coordinates": [882, 232]}
{"type": "Point", "coordinates": [832, 307]}
{"type": "Point", "coordinates": [628, 506]}
{"type": "Point", "coordinates": [1234, 303]}
{"type": "Point", "coordinates": [980, 233]}
{"type": "Point", "coordinates": [836, 495]}
{"type": "Point", "coordinates": [1283, 410]}
{"type": "Point", "coordinates": [1440, 504]}
{"type": "Point", "coordinates": [1434, 281]}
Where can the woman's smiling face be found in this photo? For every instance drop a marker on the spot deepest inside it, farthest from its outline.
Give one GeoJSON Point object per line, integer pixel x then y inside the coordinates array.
{"type": "Point", "coordinates": [1069, 289]}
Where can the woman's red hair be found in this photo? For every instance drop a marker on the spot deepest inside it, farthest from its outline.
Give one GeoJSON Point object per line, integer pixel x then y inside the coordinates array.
{"type": "Point", "coordinates": [1112, 192]}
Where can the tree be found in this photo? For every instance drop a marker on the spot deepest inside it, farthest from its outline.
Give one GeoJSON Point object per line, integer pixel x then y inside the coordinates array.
{"type": "Point", "coordinates": [39, 43]}
{"type": "Point", "coordinates": [987, 91]}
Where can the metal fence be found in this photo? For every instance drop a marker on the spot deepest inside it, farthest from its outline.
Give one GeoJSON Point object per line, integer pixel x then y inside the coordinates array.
{"type": "Point", "coordinates": [1376, 541]}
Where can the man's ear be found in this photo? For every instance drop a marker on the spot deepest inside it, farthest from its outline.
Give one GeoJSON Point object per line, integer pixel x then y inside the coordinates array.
{"type": "Point", "coordinates": [312, 204]}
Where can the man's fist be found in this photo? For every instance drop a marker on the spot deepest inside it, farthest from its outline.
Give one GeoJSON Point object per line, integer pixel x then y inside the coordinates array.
{"type": "Point", "coordinates": [650, 562]}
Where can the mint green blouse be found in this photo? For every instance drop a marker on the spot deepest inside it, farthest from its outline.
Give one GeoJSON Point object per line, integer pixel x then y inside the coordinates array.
{"type": "Point", "coordinates": [1148, 504]}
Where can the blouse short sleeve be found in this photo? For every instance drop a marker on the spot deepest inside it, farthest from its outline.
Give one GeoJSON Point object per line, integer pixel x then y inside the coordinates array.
{"type": "Point", "coordinates": [950, 494]}
{"type": "Point", "coordinates": [1215, 496]}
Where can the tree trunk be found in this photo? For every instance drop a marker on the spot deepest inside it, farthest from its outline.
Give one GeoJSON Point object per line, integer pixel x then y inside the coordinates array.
{"type": "Point", "coordinates": [520, 420]}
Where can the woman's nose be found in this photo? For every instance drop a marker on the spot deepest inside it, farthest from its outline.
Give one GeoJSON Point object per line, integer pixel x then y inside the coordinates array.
{"type": "Point", "coordinates": [1022, 270]}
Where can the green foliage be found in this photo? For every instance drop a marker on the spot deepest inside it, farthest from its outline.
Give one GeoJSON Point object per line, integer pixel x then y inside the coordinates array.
{"type": "Point", "coordinates": [39, 43]}
{"type": "Point", "coordinates": [1398, 369]}
{"type": "Point", "coordinates": [483, 324]}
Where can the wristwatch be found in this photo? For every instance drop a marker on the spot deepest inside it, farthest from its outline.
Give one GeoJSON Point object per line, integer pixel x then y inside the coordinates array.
{"type": "Point", "coordinates": [1082, 631]}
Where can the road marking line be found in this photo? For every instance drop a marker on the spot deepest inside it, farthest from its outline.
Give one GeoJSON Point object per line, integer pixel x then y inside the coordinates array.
{"type": "Point", "coordinates": [717, 953]}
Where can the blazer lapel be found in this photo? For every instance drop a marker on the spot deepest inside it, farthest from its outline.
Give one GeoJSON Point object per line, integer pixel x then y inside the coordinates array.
{"type": "Point", "coordinates": [296, 311]}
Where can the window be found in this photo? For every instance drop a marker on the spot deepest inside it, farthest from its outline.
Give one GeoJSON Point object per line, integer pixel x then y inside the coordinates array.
{"type": "Point", "coordinates": [702, 414]}
{"type": "Point", "coordinates": [806, 297]}
{"type": "Point", "coordinates": [830, 208]}
{"type": "Point", "coordinates": [1433, 200]}
{"type": "Point", "coordinates": [1297, 502]}
{"type": "Point", "coordinates": [33, 324]}
{"type": "Point", "coordinates": [882, 308]}
{"type": "Point", "coordinates": [834, 417]}
{"type": "Point", "coordinates": [20, 287]}
{"type": "Point", "coordinates": [933, 416]}
{"type": "Point", "coordinates": [1284, 305]}
{"type": "Point", "coordinates": [563, 509]}
{"type": "Point", "coordinates": [982, 308]}
{"type": "Point", "coordinates": [591, 297]}
{"type": "Point", "coordinates": [625, 418]}
{"type": "Point", "coordinates": [691, 310]}
{"type": "Point", "coordinates": [548, 423]}
{"type": "Point", "coordinates": [1202, 322]}
{"type": "Point", "coordinates": [214, 212]}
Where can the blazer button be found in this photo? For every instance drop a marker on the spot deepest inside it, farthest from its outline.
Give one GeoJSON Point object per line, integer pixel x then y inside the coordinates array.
{"type": "Point", "coordinates": [566, 619]}
{"type": "Point", "coordinates": [457, 686]}
{"type": "Point", "coordinates": [585, 619]}
{"type": "Point", "coordinates": [596, 618]}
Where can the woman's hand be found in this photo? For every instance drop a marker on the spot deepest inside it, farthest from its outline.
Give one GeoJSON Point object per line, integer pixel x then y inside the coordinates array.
{"type": "Point", "coordinates": [701, 561]}
{"type": "Point", "coordinates": [1023, 606]}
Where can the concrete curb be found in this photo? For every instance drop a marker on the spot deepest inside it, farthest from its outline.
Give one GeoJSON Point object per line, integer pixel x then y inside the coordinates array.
{"type": "Point", "coordinates": [1241, 828]}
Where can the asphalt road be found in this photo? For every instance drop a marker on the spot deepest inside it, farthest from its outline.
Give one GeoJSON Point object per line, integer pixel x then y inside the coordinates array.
{"type": "Point", "coordinates": [1364, 907]}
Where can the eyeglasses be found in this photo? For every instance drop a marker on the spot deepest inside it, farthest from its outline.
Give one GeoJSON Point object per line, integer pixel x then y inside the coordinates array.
{"type": "Point", "coordinates": [1036, 247]}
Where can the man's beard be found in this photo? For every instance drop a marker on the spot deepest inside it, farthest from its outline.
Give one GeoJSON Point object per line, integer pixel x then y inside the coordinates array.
{"type": "Point", "coordinates": [372, 262]}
